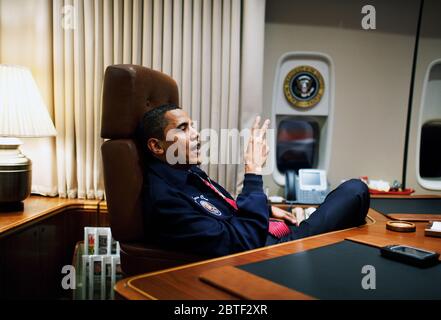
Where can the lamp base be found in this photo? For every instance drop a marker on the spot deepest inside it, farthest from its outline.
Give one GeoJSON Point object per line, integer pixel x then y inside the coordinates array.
{"type": "Point", "coordinates": [11, 206]}
{"type": "Point", "coordinates": [15, 173]}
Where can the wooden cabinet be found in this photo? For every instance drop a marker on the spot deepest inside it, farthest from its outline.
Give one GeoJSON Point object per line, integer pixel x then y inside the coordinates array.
{"type": "Point", "coordinates": [20, 268]}
{"type": "Point", "coordinates": [53, 254]}
{"type": "Point", "coordinates": [32, 255]}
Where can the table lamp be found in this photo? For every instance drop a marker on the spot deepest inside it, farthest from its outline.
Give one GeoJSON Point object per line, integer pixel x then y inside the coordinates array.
{"type": "Point", "coordinates": [23, 113]}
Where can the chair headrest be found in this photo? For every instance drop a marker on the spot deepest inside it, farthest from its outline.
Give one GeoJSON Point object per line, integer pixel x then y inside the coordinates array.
{"type": "Point", "coordinates": [129, 91]}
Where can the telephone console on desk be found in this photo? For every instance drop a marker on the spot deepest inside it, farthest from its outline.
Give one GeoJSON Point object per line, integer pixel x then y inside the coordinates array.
{"type": "Point", "coordinates": [310, 186]}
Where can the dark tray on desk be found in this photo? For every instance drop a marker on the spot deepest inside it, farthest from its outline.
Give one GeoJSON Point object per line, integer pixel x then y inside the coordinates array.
{"type": "Point", "coordinates": [335, 272]}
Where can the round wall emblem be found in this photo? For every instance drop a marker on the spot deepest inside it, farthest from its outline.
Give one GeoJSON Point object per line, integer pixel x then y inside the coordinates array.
{"type": "Point", "coordinates": [304, 87]}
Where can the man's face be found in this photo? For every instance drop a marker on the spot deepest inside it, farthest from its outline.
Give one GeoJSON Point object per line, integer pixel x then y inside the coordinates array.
{"type": "Point", "coordinates": [181, 137]}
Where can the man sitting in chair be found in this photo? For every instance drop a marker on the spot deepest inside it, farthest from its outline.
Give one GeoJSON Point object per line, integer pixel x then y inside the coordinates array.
{"type": "Point", "coordinates": [184, 210]}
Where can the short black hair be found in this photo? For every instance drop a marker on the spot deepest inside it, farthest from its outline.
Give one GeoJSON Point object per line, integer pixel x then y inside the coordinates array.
{"type": "Point", "coordinates": [153, 122]}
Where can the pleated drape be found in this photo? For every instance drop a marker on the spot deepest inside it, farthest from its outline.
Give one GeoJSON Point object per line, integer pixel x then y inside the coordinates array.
{"type": "Point", "coordinates": [197, 42]}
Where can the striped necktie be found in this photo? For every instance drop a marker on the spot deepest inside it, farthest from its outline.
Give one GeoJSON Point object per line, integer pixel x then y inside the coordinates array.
{"type": "Point", "coordinates": [231, 202]}
{"type": "Point", "coordinates": [278, 228]}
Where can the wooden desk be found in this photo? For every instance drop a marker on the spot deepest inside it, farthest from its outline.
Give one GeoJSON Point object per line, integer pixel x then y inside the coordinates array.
{"type": "Point", "coordinates": [37, 208]}
{"type": "Point", "coordinates": [184, 282]}
{"type": "Point", "coordinates": [36, 242]}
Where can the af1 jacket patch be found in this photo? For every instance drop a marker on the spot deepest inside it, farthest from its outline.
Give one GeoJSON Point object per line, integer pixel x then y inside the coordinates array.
{"type": "Point", "coordinates": [204, 203]}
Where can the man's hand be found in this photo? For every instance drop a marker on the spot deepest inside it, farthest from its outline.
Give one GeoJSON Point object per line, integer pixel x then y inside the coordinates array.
{"type": "Point", "coordinates": [257, 150]}
{"type": "Point", "coordinates": [284, 215]}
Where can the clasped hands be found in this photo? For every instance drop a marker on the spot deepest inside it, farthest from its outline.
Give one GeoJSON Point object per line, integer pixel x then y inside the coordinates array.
{"type": "Point", "coordinates": [288, 217]}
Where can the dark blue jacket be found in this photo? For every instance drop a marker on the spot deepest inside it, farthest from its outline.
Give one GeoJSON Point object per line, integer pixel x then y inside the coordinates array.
{"type": "Point", "coordinates": [182, 213]}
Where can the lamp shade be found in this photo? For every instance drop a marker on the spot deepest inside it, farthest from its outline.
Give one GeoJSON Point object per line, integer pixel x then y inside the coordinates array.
{"type": "Point", "coordinates": [23, 112]}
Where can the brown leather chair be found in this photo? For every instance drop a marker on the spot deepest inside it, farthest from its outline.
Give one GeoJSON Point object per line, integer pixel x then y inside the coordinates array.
{"type": "Point", "coordinates": [129, 91]}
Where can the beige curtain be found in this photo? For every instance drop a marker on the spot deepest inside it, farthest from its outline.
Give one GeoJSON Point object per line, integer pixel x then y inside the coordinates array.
{"type": "Point", "coordinates": [197, 42]}
{"type": "Point", "coordinates": [251, 84]}
{"type": "Point", "coordinates": [81, 48]}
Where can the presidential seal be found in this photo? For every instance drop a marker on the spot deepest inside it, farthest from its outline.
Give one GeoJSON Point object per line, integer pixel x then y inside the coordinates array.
{"type": "Point", "coordinates": [304, 87]}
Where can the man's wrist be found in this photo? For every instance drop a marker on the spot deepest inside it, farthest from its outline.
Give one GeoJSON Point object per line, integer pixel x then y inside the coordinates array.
{"type": "Point", "coordinates": [253, 169]}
